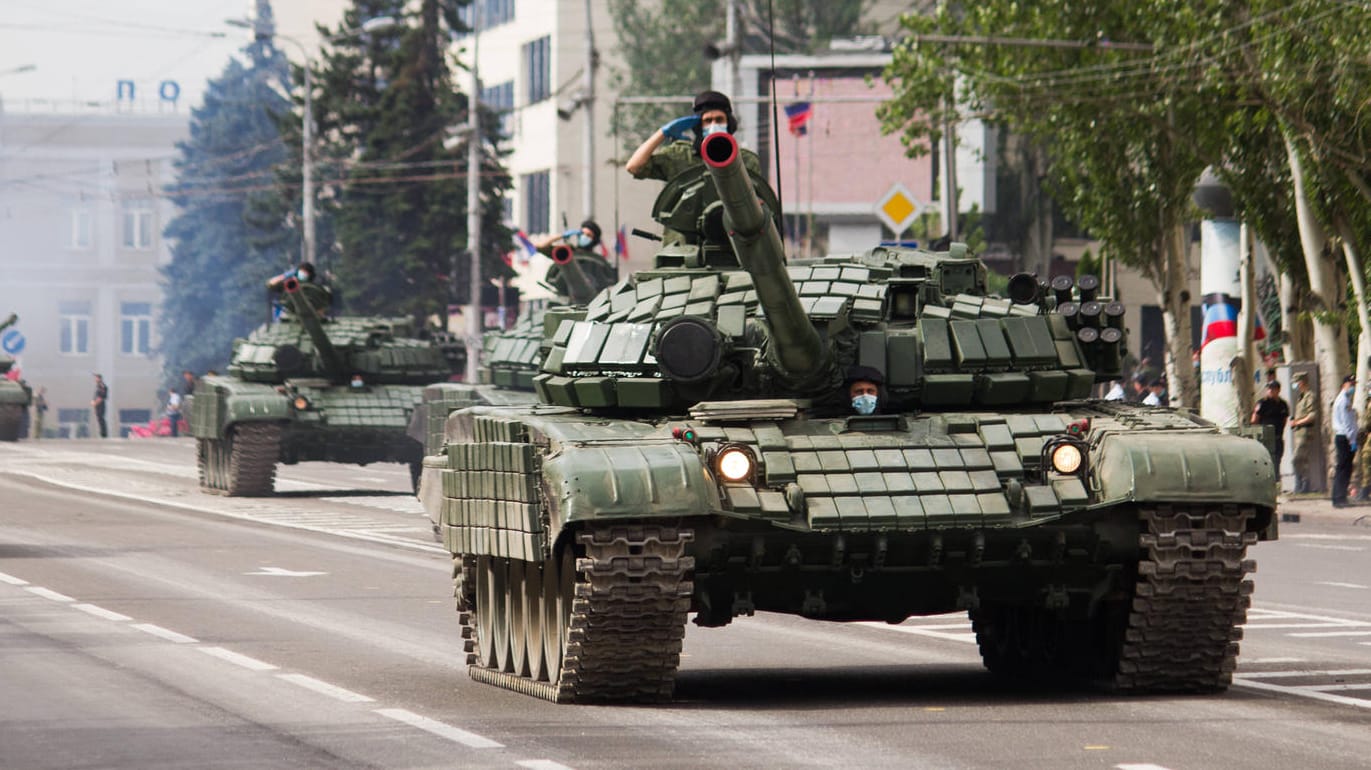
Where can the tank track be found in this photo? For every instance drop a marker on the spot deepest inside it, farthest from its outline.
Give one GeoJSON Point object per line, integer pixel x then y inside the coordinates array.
{"type": "Point", "coordinates": [627, 621]}
{"type": "Point", "coordinates": [242, 466]}
{"type": "Point", "coordinates": [11, 420]}
{"type": "Point", "coordinates": [1190, 599]}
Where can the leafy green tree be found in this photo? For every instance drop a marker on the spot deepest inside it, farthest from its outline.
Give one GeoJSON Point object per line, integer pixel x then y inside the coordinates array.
{"type": "Point", "coordinates": [213, 290]}
{"type": "Point", "coordinates": [1127, 132]}
{"type": "Point", "coordinates": [391, 186]}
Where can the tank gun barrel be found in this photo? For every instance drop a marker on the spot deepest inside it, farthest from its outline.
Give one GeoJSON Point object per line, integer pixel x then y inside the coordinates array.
{"type": "Point", "coordinates": [579, 288]}
{"type": "Point", "coordinates": [797, 348]}
{"type": "Point", "coordinates": [308, 316]}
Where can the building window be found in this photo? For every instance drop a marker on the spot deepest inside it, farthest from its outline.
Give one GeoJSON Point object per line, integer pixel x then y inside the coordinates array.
{"type": "Point", "coordinates": [135, 328]}
{"type": "Point", "coordinates": [74, 321]}
{"type": "Point", "coordinates": [537, 201]}
{"type": "Point", "coordinates": [73, 423]}
{"type": "Point", "coordinates": [538, 69]}
{"type": "Point", "coordinates": [80, 228]}
{"type": "Point", "coordinates": [500, 100]}
{"type": "Point", "coordinates": [138, 224]}
{"type": "Point", "coordinates": [493, 13]}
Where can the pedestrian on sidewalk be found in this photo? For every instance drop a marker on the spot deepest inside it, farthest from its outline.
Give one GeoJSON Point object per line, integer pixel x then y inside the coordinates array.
{"type": "Point", "coordinates": [1344, 440]}
{"type": "Point", "coordinates": [1273, 411]}
{"type": "Point", "coordinates": [1303, 427]}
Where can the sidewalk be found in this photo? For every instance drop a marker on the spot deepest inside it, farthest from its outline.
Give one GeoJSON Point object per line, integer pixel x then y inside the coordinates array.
{"type": "Point", "coordinates": [1320, 508]}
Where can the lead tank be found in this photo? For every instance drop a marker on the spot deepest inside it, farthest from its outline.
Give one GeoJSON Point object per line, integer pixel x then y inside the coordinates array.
{"type": "Point", "coordinates": [313, 387]}
{"type": "Point", "coordinates": [15, 396]}
{"type": "Point", "coordinates": [694, 451]}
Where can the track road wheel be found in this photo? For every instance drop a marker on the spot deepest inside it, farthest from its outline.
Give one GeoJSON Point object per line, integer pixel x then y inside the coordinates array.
{"type": "Point", "coordinates": [518, 618]}
{"type": "Point", "coordinates": [533, 619]}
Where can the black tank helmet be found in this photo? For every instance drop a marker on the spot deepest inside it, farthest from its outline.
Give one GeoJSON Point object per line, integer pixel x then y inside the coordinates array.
{"type": "Point", "coordinates": [594, 228]}
{"type": "Point", "coordinates": [713, 100]}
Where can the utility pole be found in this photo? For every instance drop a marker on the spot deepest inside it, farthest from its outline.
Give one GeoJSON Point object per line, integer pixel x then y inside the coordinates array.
{"type": "Point", "coordinates": [734, 48]}
{"type": "Point", "coordinates": [474, 320]}
{"type": "Point", "coordinates": [588, 116]}
{"type": "Point", "coordinates": [950, 178]}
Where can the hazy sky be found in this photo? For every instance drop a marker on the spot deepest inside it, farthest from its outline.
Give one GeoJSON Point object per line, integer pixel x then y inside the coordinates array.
{"type": "Point", "coordinates": [81, 48]}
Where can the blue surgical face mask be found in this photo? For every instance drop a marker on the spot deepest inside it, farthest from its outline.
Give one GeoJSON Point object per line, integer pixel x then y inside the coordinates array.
{"type": "Point", "coordinates": [864, 404]}
{"type": "Point", "coordinates": [584, 241]}
{"type": "Point", "coordinates": [715, 128]}
{"type": "Point", "coordinates": [303, 275]}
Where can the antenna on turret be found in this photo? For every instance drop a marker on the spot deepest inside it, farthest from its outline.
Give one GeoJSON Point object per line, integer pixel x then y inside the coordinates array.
{"type": "Point", "coordinates": [775, 125]}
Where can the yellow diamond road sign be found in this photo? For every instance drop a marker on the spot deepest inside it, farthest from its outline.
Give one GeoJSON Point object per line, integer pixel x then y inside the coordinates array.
{"type": "Point", "coordinates": [898, 208]}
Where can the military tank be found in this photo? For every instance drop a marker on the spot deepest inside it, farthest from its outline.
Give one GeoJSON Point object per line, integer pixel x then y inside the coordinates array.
{"type": "Point", "coordinates": [694, 451]}
{"type": "Point", "coordinates": [15, 396]}
{"type": "Point", "coordinates": [313, 387]}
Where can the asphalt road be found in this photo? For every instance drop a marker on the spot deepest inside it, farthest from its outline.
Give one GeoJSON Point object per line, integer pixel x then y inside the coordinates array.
{"type": "Point", "coordinates": [145, 625]}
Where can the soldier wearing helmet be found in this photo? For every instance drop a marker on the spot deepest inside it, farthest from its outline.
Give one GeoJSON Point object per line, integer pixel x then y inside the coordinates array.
{"type": "Point", "coordinates": [658, 158]}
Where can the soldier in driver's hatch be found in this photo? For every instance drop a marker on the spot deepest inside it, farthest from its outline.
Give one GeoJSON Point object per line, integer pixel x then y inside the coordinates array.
{"type": "Point", "coordinates": [712, 112]}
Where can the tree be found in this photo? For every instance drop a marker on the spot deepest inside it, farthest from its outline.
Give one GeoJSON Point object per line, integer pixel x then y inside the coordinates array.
{"type": "Point", "coordinates": [1127, 130]}
{"type": "Point", "coordinates": [394, 193]}
{"type": "Point", "coordinates": [213, 287]}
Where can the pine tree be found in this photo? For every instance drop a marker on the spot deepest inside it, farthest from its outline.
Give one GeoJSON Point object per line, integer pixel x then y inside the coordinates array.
{"type": "Point", "coordinates": [395, 195]}
{"type": "Point", "coordinates": [213, 286]}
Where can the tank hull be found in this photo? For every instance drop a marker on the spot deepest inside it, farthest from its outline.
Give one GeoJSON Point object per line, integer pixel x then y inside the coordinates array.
{"type": "Point", "coordinates": [861, 519]}
{"type": "Point", "coordinates": [301, 421]}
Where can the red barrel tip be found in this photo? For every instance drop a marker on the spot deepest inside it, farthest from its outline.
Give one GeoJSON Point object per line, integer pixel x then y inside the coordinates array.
{"type": "Point", "coordinates": [719, 150]}
{"type": "Point", "coordinates": [292, 285]}
{"type": "Point", "coordinates": [561, 254]}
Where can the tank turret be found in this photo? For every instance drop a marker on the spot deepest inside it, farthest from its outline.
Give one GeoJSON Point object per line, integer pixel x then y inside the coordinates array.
{"type": "Point", "coordinates": [796, 349]}
{"type": "Point", "coordinates": [307, 309]}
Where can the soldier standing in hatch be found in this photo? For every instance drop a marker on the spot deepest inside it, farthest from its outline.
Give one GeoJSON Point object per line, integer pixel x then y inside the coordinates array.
{"type": "Point", "coordinates": [1302, 427]}
{"type": "Point", "coordinates": [712, 112]}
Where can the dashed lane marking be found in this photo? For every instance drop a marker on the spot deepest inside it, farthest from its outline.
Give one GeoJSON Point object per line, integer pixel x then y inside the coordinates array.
{"type": "Point", "coordinates": [468, 739]}
{"type": "Point", "coordinates": [1339, 585]}
{"type": "Point", "coordinates": [237, 658]}
{"type": "Point", "coordinates": [101, 612]}
{"type": "Point", "coordinates": [48, 594]}
{"type": "Point", "coordinates": [165, 633]}
{"type": "Point", "coordinates": [324, 688]}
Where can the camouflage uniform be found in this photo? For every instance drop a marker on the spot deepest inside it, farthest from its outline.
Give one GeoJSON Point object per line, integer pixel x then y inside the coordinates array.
{"type": "Point", "coordinates": [1302, 444]}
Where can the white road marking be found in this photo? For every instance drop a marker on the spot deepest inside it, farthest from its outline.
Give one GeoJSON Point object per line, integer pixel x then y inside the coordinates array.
{"type": "Point", "coordinates": [101, 612]}
{"type": "Point", "coordinates": [1339, 585]}
{"type": "Point", "coordinates": [324, 688]}
{"type": "Point", "coordinates": [282, 572]}
{"type": "Point", "coordinates": [238, 659]}
{"type": "Point", "coordinates": [1246, 680]}
{"type": "Point", "coordinates": [1317, 634]}
{"type": "Point", "coordinates": [48, 594]}
{"type": "Point", "coordinates": [12, 580]}
{"type": "Point", "coordinates": [1262, 661]}
{"type": "Point", "coordinates": [468, 739]}
{"type": "Point", "coordinates": [1323, 537]}
{"type": "Point", "coordinates": [1298, 674]}
{"type": "Point", "coordinates": [165, 633]}
{"type": "Point", "coordinates": [1341, 687]}
{"type": "Point", "coordinates": [1139, 767]}
{"type": "Point", "coordinates": [541, 764]}
{"type": "Point", "coordinates": [932, 631]}
{"type": "Point", "coordinates": [1330, 547]}
{"type": "Point", "coordinates": [1268, 626]}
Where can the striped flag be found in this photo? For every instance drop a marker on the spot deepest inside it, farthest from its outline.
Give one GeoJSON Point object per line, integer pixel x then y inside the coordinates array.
{"type": "Point", "coordinates": [621, 244]}
{"type": "Point", "coordinates": [798, 114]}
{"type": "Point", "coordinates": [525, 245]}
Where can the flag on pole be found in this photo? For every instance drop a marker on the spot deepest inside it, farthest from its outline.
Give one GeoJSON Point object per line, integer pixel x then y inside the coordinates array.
{"type": "Point", "coordinates": [798, 114]}
{"type": "Point", "coordinates": [525, 245]}
{"type": "Point", "coordinates": [621, 244]}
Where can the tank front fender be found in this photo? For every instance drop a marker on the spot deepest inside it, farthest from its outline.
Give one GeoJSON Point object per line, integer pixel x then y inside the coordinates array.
{"type": "Point", "coordinates": [638, 480]}
{"type": "Point", "coordinates": [1184, 467]}
{"type": "Point", "coordinates": [220, 405]}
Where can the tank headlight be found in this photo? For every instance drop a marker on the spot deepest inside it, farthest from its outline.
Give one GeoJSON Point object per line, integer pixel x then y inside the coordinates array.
{"type": "Point", "coordinates": [734, 464]}
{"type": "Point", "coordinates": [1066, 458]}
{"type": "Point", "coordinates": [301, 403]}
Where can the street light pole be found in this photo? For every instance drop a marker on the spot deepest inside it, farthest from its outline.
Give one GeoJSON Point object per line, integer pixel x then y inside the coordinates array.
{"type": "Point", "coordinates": [473, 315]}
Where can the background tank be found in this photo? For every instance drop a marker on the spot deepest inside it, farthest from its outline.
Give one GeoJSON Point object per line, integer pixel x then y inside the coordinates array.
{"type": "Point", "coordinates": [15, 396]}
{"type": "Point", "coordinates": [313, 387]}
{"type": "Point", "coordinates": [694, 451]}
